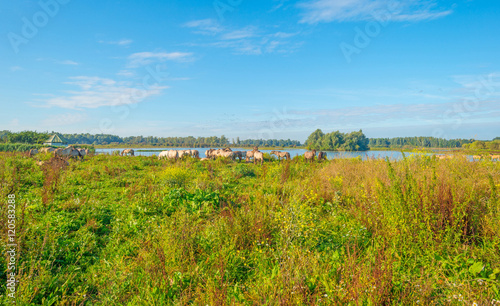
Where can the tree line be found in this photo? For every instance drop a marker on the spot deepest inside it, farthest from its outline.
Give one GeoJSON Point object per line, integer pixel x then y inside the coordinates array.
{"type": "Point", "coordinates": [354, 141]}
{"type": "Point", "coordinates": [25, 137]}
{"type": "Point", "coordinates": [422, 142]}
{"type": "Point", "coordinates": [30, 137]}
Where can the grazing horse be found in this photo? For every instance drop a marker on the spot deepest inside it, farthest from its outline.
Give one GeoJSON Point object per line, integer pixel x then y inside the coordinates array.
{"type": "Point", "coordinates": [441, 156]}
{"type": "Point", "coordinates": [216, 153]}
{"type": "Point", "coordinates": [163, 154]}
{"type": "Point", "coordinates": [127, 152]}
{"type": "Point", "coordinates": [209, 153]}
{"type": "Point", "coordinates": [257, 155]}
{"type": "Point", "coordinates": [238, 154]}
{"type": "Point", "coordinates": [32, 152]}
{"type": "Point", "coordinates": [173, 154]}
{"type": "Point", "coordinates": [321, 156]}
{"type": "Point", "coordinates": [183, 153]}
{"type": "Point", "coordinates": [47, 150]}
{"type": "Point", "coordinates": [83, 152]}
{"type": "Point", "coordinates": [227, 154]}
{"type": "Point", "coordinates": [249, 155]}
{"type": "Point", "coordinates": [497, 157]}
{"type": "Point", "coordinates": [310, 155]}
{"type": "Point", "coordinates": [195, 153]}
{"type": "Point", "coordinates": [279, 154]}
{"type": "Point", "coordinates": [68, 152]}
{"type": "Point", "coordinates": [478, 157]}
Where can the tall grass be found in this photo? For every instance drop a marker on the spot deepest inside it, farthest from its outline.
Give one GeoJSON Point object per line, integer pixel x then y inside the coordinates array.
{"type": "Point", "coordinates": [117, 230]}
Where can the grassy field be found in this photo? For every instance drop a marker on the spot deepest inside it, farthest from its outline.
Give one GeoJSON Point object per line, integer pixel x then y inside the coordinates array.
{"type": "Point", "coordinates": [137, 231]}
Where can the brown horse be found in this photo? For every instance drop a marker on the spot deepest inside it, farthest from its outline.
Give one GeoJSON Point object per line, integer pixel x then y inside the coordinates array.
{"type": "Point", "coordinates": [310, 155]}
{"type": "Point", "coordinates": [279, 154]}
{"type": "Point", "coordinates": [127, 152]}
{"type": "Point", "coordinates": [238, 154]}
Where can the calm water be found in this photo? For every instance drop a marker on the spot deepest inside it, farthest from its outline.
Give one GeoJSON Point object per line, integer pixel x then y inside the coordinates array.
{"type": "Point", "coordinates": [395, 155]}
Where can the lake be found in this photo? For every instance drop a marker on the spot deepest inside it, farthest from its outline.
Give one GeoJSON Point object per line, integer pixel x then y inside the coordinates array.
{"type": "Point", "coordinates": [394, 155]}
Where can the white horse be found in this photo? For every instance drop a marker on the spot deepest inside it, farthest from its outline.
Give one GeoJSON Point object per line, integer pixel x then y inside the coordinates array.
{"type": "Point", "coordinates": [258, 156]}
{"type": "Point", "coordinates": [173, 154]}
{"type": "Point", "coordinates": [68, 152]}
{"type": "Point", "coordinates": [163, 154]}
{"type": "Point", "coordinates": [182, 153]}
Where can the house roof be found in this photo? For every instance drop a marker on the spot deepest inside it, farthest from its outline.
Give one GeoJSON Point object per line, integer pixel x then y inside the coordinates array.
{"type": "Point", "coordinates": [56, 138]}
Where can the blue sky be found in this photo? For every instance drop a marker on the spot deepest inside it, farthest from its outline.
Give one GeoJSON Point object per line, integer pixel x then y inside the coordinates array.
{"type": "Point", "coordinates": [253, 69]}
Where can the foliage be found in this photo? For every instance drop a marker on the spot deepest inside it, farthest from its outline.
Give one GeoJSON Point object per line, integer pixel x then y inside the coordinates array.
{"type": "Point", "coordinates": [484, 145]}
{"type": "Point", "coordinates": [18, 147]}
{"type": "Point", "coordinates": [425, 142]}
{"type": "Point", "coordinates": [25, 137]}
{"type": "Point", "coordinates": [112, 230]}
{"type": "Point", "coordinates": [106, 139]}
{"type": "Point", "coordinates": [354, 141]}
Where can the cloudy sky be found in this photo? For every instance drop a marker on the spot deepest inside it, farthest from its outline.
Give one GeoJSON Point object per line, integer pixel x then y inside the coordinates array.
{"type": "Point", "coordinates": [253, 69]}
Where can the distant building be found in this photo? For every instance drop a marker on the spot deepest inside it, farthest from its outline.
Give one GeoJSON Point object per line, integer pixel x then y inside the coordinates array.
{"type": "Point", "coordinates": [56, 140]}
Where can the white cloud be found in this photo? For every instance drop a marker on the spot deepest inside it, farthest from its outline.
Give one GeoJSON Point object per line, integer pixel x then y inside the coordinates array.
{"type": "Point", "coordinates": [489, 81]}
{"type": "Point", "coordinates": [97, 92]}
{"type": "Point", "coordinates": [179, 79]}
{"type": "Point", "coordinates": [248, 40]}
{"type": "Point", "coordinates": [16, 68]}
{"type": "Point", "coordinates": [316, 11]}
{"type": "Point", "coordinates": [146, 58]}
{"type": "Point", "coordinates": [68, 62]}
{"type": "Point", "coordinates": [125, 73]}
{"type": "Point", "coordinates": [122, 42]}
{"type": "Point", "coordinates": [278, 6]}
{"type": "Point", "coordinates": [476, 88]}
{"type": "Point", "coordinates": [205, 26]}
{"type": "Point", "coordinates": [247, 32]}
{"type": "Point", "coordinates": [60, 62]}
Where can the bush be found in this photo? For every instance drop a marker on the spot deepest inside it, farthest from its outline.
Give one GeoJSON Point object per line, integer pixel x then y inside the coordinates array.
{"type": "Point", "coordinates": [243, 170]}
{"type": "Point", "coordinates": [18, 147]}
{"type": "Point", "coordinates": [175, 177]}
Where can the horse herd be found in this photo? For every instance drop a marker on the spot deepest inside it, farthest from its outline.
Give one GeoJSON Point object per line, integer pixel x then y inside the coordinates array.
{"type": "Point", "coordinates": [492, 157]}
{"type": "Point", "coordinates": [255, 154]}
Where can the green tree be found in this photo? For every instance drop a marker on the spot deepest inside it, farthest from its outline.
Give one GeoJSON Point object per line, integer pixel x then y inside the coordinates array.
{"type": "Point", "coordinates": [314, 140]}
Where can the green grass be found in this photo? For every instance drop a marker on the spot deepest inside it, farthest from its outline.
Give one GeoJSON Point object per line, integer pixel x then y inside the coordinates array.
{"type": "Point", "coordinates": [138, 231]}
